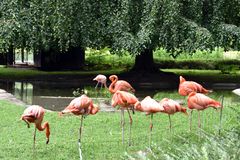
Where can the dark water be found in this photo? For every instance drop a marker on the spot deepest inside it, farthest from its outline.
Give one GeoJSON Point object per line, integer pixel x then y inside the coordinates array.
{"type": "Point", "coordinates": [56, 95]}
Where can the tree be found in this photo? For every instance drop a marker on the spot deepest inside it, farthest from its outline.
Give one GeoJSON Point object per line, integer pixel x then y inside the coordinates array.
{"type": "Point", "coordinates": [137, 26]}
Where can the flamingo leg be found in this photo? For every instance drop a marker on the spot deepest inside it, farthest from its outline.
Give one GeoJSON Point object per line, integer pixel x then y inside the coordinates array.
{"type": "Point", "coordinates": [122, 123]}
{"type": "Point", "coordinates": [151, 126]}
{"type": "Point", "coordinates": [199, 120]}
{"type": "Point", "coordinates": [220, 122]}
{"type": "Point", "coordinates": [80, 130]}
{"type": "Point", "coordinates": [34, 137]}
{"type": "Point", "coordinates": [130, 127]}
{"type": "Point", "coordinates": [170, 123]}
{"type": "Point", "coordinates": [79, 138]}
{"type": "Point", "coordinates": [96, 85]}
{"type": "Point", "coordinates": [190, 122]}
{"type": "Point", "coordinates": [101, 85]}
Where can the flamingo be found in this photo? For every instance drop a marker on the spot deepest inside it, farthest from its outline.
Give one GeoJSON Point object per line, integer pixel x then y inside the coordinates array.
{"type": "Point", "coordinates": [236, 91]}
{"type": "Point", "coordinates": [119, 85]}
{"type": "Point", "coordinates": [101, 79]}
{"type": "Point", "coordinates": [200, 102]}
{"type": "Point", "coordinates": [34, 114]}
{"type": "Point", "coordinates": [171, 107]}
{"type": "Point", "coordinates": [149, 106]}
{"type": "Point", "coordinates": [125, 100]}
{"type": "Point", "coordinates": [186, 87]}
{"type": "Point", "coordinates": [82, 105]}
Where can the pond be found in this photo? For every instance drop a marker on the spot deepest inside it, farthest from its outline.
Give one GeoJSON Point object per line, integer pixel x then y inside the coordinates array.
{"type": "Point", "coordinates": [56, 95]}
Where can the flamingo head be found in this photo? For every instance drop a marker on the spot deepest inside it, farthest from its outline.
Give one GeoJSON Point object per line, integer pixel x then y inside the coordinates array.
{"type": "Point", "coordinates": [137, 105]}
{"type": "Point", "coordinates": [184, 110]}
{"type": "Point", "coordinates": [113, 77]}
{"type": "Point", "coordinates": [95, 109]}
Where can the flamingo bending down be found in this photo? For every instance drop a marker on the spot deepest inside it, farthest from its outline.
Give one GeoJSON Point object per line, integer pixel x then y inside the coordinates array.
{"type": "Point", "coordinates": [171, 107]}
{"type": "Point", "coordinates": [82, 105]}
{"type": "Point", "coordinates": [149, 106]}
{"type": "Point", "coordinates": [199, 102]}
{"type": "Point", "coordinates": [186, 87]}
{"type": "Point", "coordinates": [101, 79]}
{"type": "Point", "coordinates": [119, 85]}
{"type": "Point", "coordinates": [125, 100]}
{"type": "Point", "coordinates": [34, 114]}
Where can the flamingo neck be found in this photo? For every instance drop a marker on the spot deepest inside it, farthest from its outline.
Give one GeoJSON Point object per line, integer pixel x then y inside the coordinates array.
{"type": "Point", "coordinates": [42, 128]}
{"type": "Point", "coordinates": [112, 85]}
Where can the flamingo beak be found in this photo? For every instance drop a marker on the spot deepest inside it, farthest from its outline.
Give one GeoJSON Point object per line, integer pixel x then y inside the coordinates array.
{"type": "Point", "coordinates": [47, 141]}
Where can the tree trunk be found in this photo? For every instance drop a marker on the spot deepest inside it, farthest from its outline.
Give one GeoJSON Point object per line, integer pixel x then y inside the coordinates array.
{"type": "Point", "coordinates": [52, 59]}
{"type": "Point", "coordinates": [144, 62]}
{"type": "Point", "coordinates": [10, 56]}
{"type": "Point", "coordinates": [22, 55]}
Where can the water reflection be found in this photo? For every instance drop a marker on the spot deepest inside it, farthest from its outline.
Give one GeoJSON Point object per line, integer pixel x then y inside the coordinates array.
{"type": "Point", "coordinates": [56, 95]}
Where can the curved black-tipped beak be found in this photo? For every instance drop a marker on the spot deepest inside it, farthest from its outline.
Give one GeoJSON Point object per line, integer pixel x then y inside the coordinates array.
{"type": "Point", "coordinates": [47, 141]}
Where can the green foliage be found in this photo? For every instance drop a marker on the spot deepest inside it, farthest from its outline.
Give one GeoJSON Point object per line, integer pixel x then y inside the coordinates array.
{"type": "Point", "coordinates": [103, 59]}
{"type": "Point", "coordinates": [127, 25]}
{"type": "Point", "coordinates": [216, 54]}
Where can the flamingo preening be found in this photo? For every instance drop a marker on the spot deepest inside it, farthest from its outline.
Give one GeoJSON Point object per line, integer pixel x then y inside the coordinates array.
{"type": "Point", "coordinates": [186, 87]}
{"type": "Point", "coordinates": [34, 114]}
{"type": "Point", "coordinates": [126, 101]}
{"type": "Point", "coordinates": [119, 85]}
{"type": "Point", "coordinates": [200, 102]}
{"type": "Point", "coordinates": [102, 79]}
{"type": "Point", "coordinates": [171, 107]}
{"type": "Point", "coordinates": [149, 106]}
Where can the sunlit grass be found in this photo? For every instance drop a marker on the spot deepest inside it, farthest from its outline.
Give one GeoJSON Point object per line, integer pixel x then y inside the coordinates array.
{"type": "Point", "coordinates": [101, 138]}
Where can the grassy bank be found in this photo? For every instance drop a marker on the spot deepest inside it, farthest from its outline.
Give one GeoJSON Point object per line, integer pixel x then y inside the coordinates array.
{"type": "Point", "coordinates": [102, 133]}
{"type": "Point", "coordinates": [29, 73]}
{"type": "Point", "coordinates": [33, 74]}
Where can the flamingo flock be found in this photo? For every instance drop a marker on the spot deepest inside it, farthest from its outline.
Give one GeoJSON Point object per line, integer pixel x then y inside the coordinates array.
{"type": "Point", "coordinates": [123, 97]}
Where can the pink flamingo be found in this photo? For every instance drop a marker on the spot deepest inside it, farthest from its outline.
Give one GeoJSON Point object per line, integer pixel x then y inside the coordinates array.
{"type": "Point", "coordinates": [101, 79]}
{"type": "Point", "coordinates": [149, 106]}
{"type": "Point", "coordinates": [125, 100]}
{"type": "Point", "coordinates": [119, 85]}
{"type": "Point", "coordinates": [171, 107]}
{"type": "Point", "coordinates": [186, 87]}
{"type": "Point", "coordinates": [82, 105]}
{"type": "Point", "coordinates": [34, 114]}
{"type": "Point", "coordinates": [199, 102]}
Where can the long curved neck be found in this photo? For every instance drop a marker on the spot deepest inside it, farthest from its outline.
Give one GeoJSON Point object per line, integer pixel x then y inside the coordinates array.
{"type": "Point", "coordinates": [112, 85]}
{"type": "Point", "coordinates": [42, 128]}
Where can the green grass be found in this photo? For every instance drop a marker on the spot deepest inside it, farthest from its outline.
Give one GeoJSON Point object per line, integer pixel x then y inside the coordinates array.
{"type": "Point", "coordinates": [207, 75]}
{"type": "Point", "coordinates": [101, 137]}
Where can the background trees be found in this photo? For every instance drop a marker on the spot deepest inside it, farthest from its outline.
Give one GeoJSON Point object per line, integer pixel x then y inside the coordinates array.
{"type": "Point", "coordinates": [139, 27]}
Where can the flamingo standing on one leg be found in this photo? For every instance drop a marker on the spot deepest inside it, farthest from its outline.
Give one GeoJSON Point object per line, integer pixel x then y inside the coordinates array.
{"type": "Point", "coordinates": [101, 79]}
{"type": "Point", "coordinates": [125, 100]}
{"type": "Point", "coordinates": [34, 114]}
{"type": "Point", "coordinates": [119, 85]}
{"type": "Point", "coordinates": [186, 87]}
{"type": "Point", "coordinates": [171, 107]}
{"type": "Point", "coordinates": [82, 105]}
{"type": "Point", "coordinates": [199, 102]}
{"type": "Point", "coordinates": [149, 106]}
